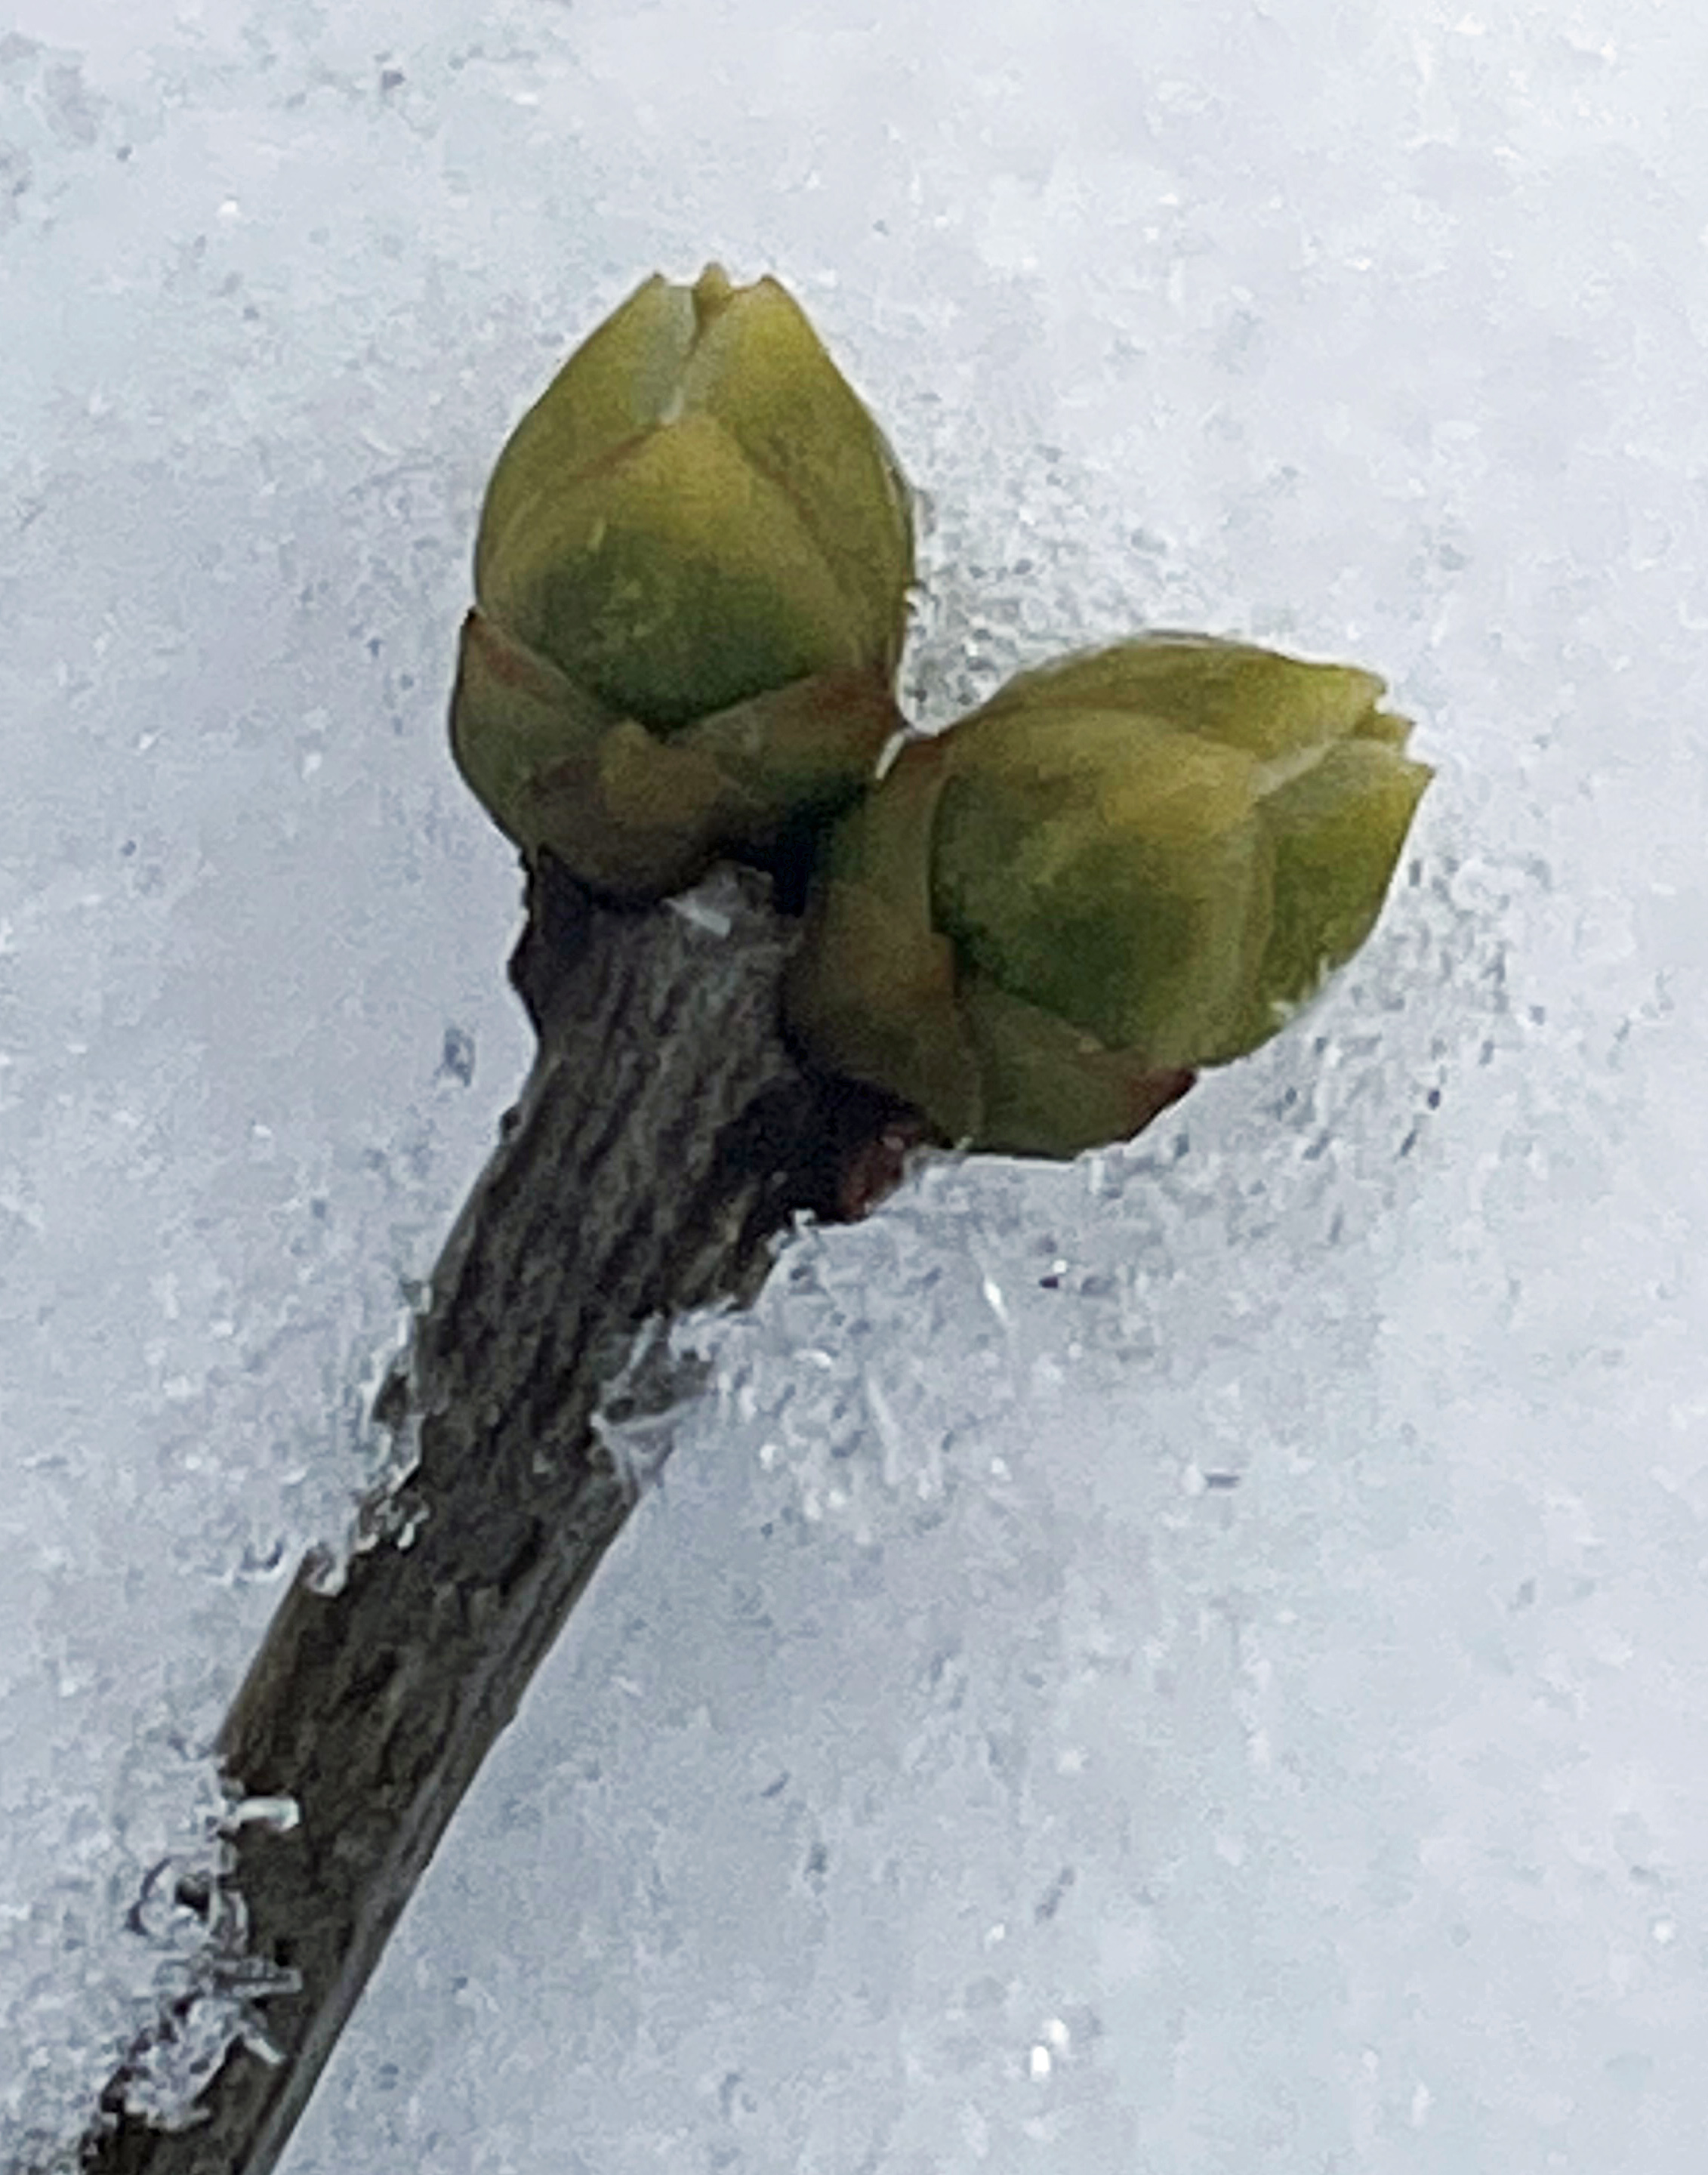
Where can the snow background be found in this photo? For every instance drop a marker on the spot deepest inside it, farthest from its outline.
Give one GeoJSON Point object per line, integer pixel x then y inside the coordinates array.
{"type": "Point", "coordinates": [1188, 1662]}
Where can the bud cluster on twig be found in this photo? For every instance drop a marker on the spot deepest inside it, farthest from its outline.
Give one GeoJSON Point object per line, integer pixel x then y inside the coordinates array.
{"type": "Point", "coordinates": [692, 583]}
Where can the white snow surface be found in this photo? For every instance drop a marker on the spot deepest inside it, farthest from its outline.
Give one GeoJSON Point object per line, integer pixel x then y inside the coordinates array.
{"type": "Point", "coordinates": [1188, 1663]}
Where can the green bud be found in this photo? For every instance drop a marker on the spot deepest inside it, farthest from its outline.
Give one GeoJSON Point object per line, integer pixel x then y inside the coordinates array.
{"type": "Point", "coordinates": [690, 583]}
{"type": "Point", "coordinates": [1125, 866]}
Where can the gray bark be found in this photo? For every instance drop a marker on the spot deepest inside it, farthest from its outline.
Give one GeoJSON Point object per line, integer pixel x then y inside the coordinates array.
{"type": "Point", "coordinates": [666, 1135]}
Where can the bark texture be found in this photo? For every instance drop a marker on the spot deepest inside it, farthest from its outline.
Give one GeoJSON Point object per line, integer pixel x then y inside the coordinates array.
{"type": "Point", "coordinates": [666, 1136]}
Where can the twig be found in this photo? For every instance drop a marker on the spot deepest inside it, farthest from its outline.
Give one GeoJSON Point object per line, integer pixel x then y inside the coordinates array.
{"type": "Point", "coordinates": [665, 1136]}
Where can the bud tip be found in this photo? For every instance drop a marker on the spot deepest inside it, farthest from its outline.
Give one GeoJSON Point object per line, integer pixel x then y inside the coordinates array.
{"type": "Point", "coordinates": [712, 293]}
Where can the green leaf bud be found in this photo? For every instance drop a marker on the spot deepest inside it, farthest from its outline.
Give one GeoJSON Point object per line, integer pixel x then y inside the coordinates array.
{"type": "Point", "coordinates": [691, 585]}
{"type": "Point", "coordinates": [1125, 866]}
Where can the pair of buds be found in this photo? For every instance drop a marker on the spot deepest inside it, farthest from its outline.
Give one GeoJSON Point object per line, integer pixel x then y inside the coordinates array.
{"type": "Point", "coordinates": [691, 580]}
